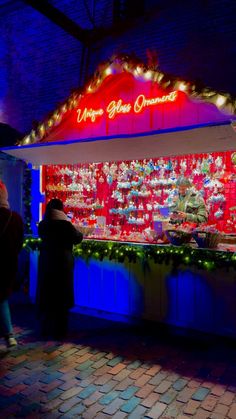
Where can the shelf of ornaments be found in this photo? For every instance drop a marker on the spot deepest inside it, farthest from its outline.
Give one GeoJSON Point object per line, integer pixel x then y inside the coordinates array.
{"type": "Point", "coordinates": [149, 174]}
{"type": "Point", "coordinates": [71, 199]}
{"type": "Point", "coordinates": [116, 195]}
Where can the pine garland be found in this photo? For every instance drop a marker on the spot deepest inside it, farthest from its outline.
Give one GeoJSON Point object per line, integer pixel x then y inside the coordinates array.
{"type": "Point", "coordinates": [128, 252]}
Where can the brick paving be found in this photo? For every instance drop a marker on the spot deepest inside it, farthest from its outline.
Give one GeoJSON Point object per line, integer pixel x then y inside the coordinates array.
{"type": "Point", "coordinates": [112, 370]}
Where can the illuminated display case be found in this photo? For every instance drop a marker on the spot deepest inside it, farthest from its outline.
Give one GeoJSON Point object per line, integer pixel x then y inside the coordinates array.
{"type": "Point", "coordinates": [121, 200]}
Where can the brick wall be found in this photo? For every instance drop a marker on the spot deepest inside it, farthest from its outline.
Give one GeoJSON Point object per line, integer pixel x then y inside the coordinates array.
{"type": "Point", "coordinates": [41, 64]}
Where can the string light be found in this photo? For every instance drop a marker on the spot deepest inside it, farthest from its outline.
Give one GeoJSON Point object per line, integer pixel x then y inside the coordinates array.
{"type": "Point", "coordinates": [208, 260]}
{"type": "Point", "coordinates": [220, 101]}
{"type": "Point", "coordinates": [108, 71]}
{"type": "Point", "coordinates": [148, 75]}
{"type": "Point", "coordinates": [26, 140]}
{"type": "Point", "coordinates": [182, 86]}
{"type": "Point", "coordinates": [90, 89]}
{"type": "Point", "coordinates": [125, 63]}
{"type": "Point", "coordinates": [138, 71]}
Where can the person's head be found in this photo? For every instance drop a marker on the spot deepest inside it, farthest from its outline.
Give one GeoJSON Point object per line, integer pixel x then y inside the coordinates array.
{"type": "Point", "coordinates": [54, 204]}
{"type": "Point", "coordinates": [3, 195]}
{"type": "Point", "coordinates": [183, 183]}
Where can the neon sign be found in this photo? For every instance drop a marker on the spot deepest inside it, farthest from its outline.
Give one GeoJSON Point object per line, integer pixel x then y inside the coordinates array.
{"type": "Point", "coordinates": [89, 114]}
{"type": "Point", "coordinates": [115, 108]}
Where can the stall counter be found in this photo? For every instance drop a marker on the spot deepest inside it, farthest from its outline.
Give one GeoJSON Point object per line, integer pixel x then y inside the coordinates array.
{"type": "Point", "coordinates": [179, 286]}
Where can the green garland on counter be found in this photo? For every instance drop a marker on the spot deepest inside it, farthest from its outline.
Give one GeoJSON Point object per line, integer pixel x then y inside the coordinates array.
{"type": "Point", "coordinates": [182, 255]}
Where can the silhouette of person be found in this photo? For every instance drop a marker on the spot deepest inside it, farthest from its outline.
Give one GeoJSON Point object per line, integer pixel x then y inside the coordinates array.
{"type": "Point", "coordinates": [11, 240]}
{"type": "Point", "coordinates": [55, 290]}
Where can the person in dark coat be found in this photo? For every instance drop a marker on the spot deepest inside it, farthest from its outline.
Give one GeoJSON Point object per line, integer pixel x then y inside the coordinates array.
{"type": "Point", "coordinates": [55, 290]}
{"type": "Point", "coordinates": [11, 240]}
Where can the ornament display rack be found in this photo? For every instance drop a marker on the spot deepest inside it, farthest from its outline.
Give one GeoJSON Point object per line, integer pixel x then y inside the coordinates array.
{"type": "Point", "coordinates": [121, 199]}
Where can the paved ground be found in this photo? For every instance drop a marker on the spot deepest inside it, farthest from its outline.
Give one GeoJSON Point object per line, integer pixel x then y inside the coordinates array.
{"type": "Point", "coordinates": [108, 370]}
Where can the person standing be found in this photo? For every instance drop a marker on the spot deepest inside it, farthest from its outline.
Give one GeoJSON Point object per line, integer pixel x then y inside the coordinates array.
{"type": "Point", "coordinates": [55, 289]}
{"type": "Point", "coordinates": [11, 240]}
{"type": "Point", "coordinates": [189, 205]}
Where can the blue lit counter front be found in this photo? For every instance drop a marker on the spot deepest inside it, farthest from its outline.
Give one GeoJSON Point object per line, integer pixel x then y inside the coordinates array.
{"type": "Point", "coordinates": [180, 286]}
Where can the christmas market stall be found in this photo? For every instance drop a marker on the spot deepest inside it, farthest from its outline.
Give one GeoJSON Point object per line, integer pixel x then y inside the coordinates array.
{"type": "Point", "coordinates": [113, 153]}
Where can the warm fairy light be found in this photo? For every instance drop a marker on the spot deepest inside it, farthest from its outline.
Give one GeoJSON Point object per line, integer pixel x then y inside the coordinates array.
{"type": "Point", "coordinates": [126, 67]}
{"type": "Point", "coordinates": [108, 71]}
{"type": "Point", "coordinates": [138, 71]}
{"type": "Point", "coordinates": [160, 77]}
{"type": "Point", "coordinates": [26, 140]}
{"type": "Point", "coordinates": [64, 109]}
{"type": "Point", "coordinates": [56, 116]}
{"type": "Point", "coordinates": [182, 86]}
{"type": "Point", "coordinates": [148, 75]}
{"type": "Point", "coordinates": [32, 135]}
{"type": "Point", "coordinates": [220, 101]}
{"type": "Point", "coordinates": [89, 89]}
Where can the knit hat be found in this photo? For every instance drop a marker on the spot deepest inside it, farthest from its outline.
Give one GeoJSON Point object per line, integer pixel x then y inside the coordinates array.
{"type": "Point", "coordinates": [183, 181]}
{"type": "Point", "coordinates": [3, 195]}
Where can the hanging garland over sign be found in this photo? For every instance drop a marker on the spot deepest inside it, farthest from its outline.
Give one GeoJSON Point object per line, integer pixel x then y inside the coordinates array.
{"type": "Point", "coordinates": [121, 252]}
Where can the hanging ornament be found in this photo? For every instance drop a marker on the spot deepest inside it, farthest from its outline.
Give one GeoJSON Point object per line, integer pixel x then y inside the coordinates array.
{"type": "Point", "coordinates": [109, 179]}
{"type": "Point", "coordinates": [219, 213]}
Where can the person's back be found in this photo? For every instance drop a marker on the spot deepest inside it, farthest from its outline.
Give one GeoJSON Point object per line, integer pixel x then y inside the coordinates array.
{"type": "Point", "coordinates": [55, 291]}
{"type": "Point", "coordinates": [57, 234]}
{"type": "Point", "coordinates": [11, 240]}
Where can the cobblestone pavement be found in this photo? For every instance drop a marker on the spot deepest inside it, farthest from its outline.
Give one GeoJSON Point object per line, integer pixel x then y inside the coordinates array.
{"type": "Point", "coordinates": [109, 370]}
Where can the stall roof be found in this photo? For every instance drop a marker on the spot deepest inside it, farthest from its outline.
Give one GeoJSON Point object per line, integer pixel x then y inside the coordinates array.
{"type": "Point", "coordinates": [188, 140]}
{"type": "Point", "coordinates": [129, 110]}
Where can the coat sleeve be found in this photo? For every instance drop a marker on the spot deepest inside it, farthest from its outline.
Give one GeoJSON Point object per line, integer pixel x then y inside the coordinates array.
{"type": "Point", "coordinates": [200, 215]}
{"type": "Point", "coordinates": [77, 236]}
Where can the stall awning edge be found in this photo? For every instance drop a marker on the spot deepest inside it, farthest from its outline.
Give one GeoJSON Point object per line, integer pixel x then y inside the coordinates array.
{"type": "Point", "coordinates": [190, 140]}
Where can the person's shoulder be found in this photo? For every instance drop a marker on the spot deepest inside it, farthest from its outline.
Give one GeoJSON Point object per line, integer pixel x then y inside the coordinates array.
{"type": "Point", "coordinates": [16, 215]}
{"type": "Point", "coordinates": [65, 223]}
{"type": "Point", "coordinates": [4, 210]}
{"type": "Point", "coordinates": [59, 224]}
{"type": "Point", "coordinates": [17, 218]}
{"type": "Point", "coordinates": [196, 196]}
{"type": "Point", "coordinates": [193, 195]}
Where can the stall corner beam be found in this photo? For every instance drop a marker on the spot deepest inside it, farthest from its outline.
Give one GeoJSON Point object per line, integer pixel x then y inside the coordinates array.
{"type": "Point", "coordinates": [61, 20]}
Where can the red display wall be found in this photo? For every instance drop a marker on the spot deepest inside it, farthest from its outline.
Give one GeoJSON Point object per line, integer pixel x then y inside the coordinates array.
{"type": "Point", "coordinates": [121, 199]}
